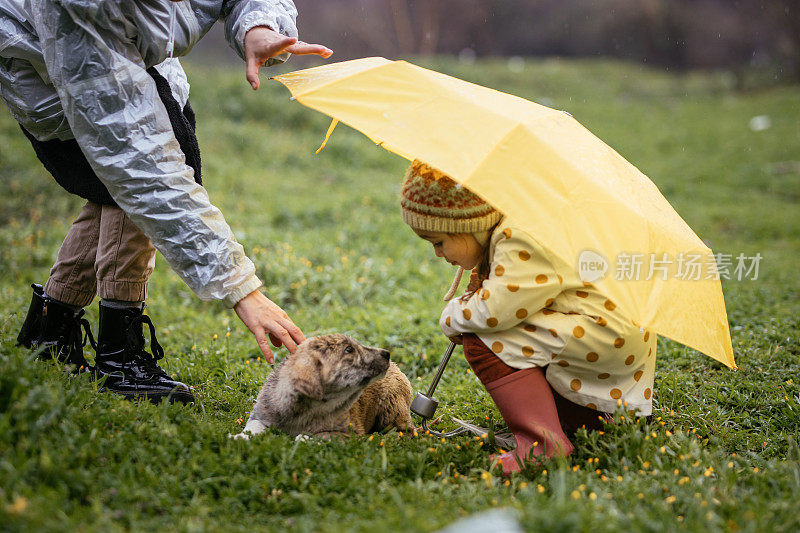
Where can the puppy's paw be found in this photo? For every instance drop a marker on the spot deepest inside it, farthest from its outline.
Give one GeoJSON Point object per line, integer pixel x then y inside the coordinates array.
{"type": "Point", "coordinates": [239, 436]}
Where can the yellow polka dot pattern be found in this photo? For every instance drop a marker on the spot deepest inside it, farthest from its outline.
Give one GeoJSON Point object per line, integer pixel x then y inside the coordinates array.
{"type": "Point", "coordinates": [527, 351]}
{"type": "Point", "coordinates": [467, 314]}
{"type": "Point", "coordinates": [447, 321]}
{"type": "Point", "coordinates": [621, 375]}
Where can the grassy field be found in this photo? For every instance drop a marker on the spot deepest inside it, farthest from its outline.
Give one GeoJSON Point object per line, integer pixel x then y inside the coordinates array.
{"type": "Point", "coordinates": [721, 454]}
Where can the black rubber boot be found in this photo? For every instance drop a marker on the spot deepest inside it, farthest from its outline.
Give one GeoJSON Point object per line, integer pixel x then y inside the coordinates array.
{"type": "Point", "coordinates": [54, 329]}
{"type": "Point", "coordinates": [127, 367]}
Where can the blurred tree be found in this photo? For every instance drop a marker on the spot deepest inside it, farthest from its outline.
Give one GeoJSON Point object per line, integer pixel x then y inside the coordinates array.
{"type": "Point", "coordinates": [678, 34]}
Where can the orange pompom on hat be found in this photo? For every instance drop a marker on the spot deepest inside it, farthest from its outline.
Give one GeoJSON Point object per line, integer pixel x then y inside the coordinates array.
{"type": "Point", "coordinates": [432, 201]}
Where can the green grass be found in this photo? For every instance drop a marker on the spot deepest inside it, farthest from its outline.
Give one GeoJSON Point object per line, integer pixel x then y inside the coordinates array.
{"type": "Point", "coordinates": [722, 453]}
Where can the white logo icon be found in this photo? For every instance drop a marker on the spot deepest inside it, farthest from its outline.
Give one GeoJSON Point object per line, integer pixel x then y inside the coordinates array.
{"type": "Point", "coordinates": [591, 266]}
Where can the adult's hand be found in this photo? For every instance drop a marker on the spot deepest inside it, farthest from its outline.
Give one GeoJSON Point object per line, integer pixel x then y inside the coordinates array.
{"type": "Point", "coordinates": [261, 43]}
{"type": "Point", "coordinates": [262, 317]}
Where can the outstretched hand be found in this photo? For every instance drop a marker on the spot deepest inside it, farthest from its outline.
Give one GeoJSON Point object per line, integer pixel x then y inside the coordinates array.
{"type": "Point", "coordinates": [261, 43]}
{"type": "Point", "coordinates": [264, 318]}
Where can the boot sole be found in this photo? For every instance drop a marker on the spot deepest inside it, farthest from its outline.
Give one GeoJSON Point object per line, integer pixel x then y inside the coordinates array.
{"type": "Point", "coordinates": [155, 398]}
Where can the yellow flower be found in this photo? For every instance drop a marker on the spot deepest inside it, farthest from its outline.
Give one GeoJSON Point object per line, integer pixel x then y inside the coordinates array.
{"type": "Point", "coordinates": [540, 488]}
{"type": "Point", "coordinates": [576, 494]}
{"type": "Point", "coordinates": [18, 506]}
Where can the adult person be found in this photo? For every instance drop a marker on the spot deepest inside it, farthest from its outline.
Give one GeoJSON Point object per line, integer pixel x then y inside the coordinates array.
{"type": "Point", "coordinates": [95, 89]}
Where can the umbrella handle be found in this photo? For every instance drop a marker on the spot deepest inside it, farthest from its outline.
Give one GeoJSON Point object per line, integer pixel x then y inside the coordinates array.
{"type": "Point", "coordinates": [440, 370]}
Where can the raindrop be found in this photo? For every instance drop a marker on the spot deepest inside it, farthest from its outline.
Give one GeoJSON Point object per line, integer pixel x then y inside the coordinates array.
{"type": "Point", "coordinates": [467, 56]}
{"type": "Point", "coordinates": [760, 123]}
{"type": "Point", "coordinates": [516, 64]}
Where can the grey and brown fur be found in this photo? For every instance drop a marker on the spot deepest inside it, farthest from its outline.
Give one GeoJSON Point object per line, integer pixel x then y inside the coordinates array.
{"type": "Point", "coordinates": [332, 384]}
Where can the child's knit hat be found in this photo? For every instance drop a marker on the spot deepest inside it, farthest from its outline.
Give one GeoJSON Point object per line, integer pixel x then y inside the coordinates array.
{"type": "Point", "coordinates": [431, 201]}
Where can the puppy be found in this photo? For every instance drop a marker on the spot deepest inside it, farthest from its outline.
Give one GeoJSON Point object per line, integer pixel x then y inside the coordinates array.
{"type": "Point", "coordinates": [332, 384]}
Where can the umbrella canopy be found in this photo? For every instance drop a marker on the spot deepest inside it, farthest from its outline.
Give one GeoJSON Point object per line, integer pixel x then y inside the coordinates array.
{"type": "Point", "coordinates": [549, 174]}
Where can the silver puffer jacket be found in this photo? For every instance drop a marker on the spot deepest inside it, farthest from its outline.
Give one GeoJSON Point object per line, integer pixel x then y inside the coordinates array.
{"type": "Point", "coordinates": [76, 68]}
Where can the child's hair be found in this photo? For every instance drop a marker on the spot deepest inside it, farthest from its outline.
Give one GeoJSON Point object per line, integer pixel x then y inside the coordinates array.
{"type": "Point", "coordinates": [485, 262]}
{"type": "Point", "coordinates": [483, 268]}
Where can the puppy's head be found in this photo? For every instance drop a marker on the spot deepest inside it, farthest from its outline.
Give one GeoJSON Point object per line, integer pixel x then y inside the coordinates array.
{"type": "Point", "coordinates": [335, 365]}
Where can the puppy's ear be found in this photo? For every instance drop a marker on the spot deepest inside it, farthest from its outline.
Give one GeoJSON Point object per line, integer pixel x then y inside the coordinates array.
{"type": "Point", "coordinates": [308, 383]}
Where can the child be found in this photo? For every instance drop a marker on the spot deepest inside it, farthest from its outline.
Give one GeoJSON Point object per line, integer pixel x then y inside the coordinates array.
{"type": "Point", "coordinates": [552, 351]}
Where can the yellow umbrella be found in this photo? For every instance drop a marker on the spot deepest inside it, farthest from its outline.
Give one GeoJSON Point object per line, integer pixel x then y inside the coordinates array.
{"type": "Point", "coordinates": [546, 172]}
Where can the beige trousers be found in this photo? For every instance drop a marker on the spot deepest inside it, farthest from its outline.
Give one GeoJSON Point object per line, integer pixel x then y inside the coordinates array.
{"type": "Point", "coordinates": [104, 254]}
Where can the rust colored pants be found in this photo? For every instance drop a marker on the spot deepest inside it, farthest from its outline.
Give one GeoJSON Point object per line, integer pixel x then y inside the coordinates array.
{"type": "Point", "coordinates": [104, 253]}
{"type": "Point", "coordinates": [488, 367]}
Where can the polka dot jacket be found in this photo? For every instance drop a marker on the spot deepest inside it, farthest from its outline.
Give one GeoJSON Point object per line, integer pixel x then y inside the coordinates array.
{"type": "Point", "coordinates": [533, 310]}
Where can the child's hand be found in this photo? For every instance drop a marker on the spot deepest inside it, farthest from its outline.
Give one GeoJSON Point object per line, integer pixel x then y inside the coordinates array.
{"type": "Point", "coordinates": [456, 339]}
{"type": "Point", "coordinates": [261, 43]}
